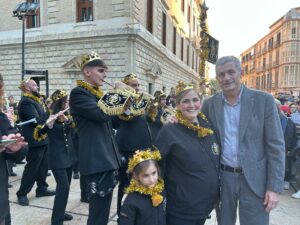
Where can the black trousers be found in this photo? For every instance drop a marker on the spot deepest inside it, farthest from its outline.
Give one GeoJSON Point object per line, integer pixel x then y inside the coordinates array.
{"type": "Point", "coordinates": [83, 186]}
{"type": "Point", "coordinates": [124, 181]}
{"type": "Point", "coordinates": [63, 179]}
{"type": "Point", "coordinates": [98, 206]}
{"type": "Point", "coordinates": [171, 220]}
{"type": "Point", "coordinates": [35, 170]}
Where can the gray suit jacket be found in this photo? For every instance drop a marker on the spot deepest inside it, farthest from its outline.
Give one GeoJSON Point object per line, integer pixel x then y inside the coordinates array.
{"type": "Point", "coordinates": [261, 142]}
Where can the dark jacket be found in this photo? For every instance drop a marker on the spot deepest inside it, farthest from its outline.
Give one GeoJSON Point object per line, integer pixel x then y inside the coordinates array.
{"type": "Point", "coordinates": [3, 172]}
{"type": "Point", "coordinates": [191, 170]}
{"type": "Point", "coordinates": [155, 125]}
{"type": "Point", "coordinates": [290, 133]}
{"type": "Point", "coordinates": [28, 109]}
{"type": "Point", "coordinates": [97, 148]}
{"type": "Point", "coordinates": [60, 152]}
{"type": "Point", "coordinates": [138, 210]}
{"type": "Point", "coordinates": [132, 135]}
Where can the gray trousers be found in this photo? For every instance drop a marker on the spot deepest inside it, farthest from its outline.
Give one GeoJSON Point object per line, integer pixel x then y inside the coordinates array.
{"type": "Point", "coordinates": [236, 194]}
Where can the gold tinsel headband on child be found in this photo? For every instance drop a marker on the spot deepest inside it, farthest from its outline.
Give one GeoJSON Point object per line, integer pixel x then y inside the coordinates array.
{"type": "Point", "coordinates": [141, 156]}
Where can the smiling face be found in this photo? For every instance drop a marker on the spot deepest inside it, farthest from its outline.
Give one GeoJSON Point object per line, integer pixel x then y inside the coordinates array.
{"type": "Point", "coordinates": [94, 75]}
{"type": "Point", "coordinates": [189, 105]}
{"type": "Point", "coordinates": [229, 78]}
{"type": "Point", "coordinates": [148, 176]}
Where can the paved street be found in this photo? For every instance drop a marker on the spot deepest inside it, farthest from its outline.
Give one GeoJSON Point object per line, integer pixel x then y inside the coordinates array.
{"type": "Point", "coordinates": [40, 209]}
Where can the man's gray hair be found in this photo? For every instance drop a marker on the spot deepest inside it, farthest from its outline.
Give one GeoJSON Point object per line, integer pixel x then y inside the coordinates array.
{"type": "Point", "coordinates": [229, 59]}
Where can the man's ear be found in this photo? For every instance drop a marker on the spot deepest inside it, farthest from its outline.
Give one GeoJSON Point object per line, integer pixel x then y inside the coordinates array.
{"type": "Point", "coordinates": [86, 72]}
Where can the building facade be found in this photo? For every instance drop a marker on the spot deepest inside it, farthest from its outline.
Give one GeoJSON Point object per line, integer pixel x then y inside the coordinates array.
{"type": "Point", "coordinates": [156, 39]}
{"type": "Point", "coordinates": [273, 63]}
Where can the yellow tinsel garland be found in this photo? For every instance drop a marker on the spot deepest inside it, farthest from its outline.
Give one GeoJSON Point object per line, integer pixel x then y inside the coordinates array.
{"type": "Point", "coordinates": [154, 192]}
{"type": "Point", "coordinates": [95, 91]}
{"type": "Point", "coordinates": [201, 131]}
{"type": "Point", "coordinates": [36, 99]}
{"type": "Point", "coordinates": [37, 135]}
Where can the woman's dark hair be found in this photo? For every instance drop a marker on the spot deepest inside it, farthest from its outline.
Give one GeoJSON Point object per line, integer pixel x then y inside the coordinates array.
{"type": "Point", "coordinates": [58, 105]}
{"type": "Point", "coordinates": [141, 167]}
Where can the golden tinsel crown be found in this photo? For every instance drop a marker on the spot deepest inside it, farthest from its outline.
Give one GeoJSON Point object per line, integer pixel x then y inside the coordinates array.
{"type": "Point", "coordinates": [182, 86]}
{"type": "Point", "coordinates": [86, 58]}
{"type": "Point", "coordinates": [141, 156]}
{"type": "Point", "coordinates": [129, 77]}
{"type": "Point", "coordinates": [158, 94]}
{"type": "Point", "coordinates": [58, 94]}
{"type": "Point", "coordinates": [23, 83]}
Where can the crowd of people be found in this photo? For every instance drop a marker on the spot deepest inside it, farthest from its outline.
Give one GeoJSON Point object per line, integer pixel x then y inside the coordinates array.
{"type": "Point", "coordinates": [176, 158]}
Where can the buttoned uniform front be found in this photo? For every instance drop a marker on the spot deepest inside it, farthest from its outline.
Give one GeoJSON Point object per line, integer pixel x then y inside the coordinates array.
{"type": "Point", "coordinates": [36, 168]}
{"type": "Point", "coordinates": [190, 167]}
{"type": "Point", "coordinates": [61, 158]}
{"type": "Point", "coordinates": [137, 209]}
{"type": "Point", "coordinates": [98, 152]}
{"type": "Point", "coordinates": [133, 134]}
{"type": "Point", "coordinates": [260, 145]}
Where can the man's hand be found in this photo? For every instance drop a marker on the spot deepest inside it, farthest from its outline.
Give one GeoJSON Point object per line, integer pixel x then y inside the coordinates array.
{"type": "Point", "coordinates": [271, 200]}
{"type": "Point", "coordinates": [15, 146]}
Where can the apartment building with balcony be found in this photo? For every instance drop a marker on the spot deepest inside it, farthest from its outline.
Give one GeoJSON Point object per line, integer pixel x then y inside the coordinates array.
{"type": "Point", "coordinates": [273, 63]}
{"type": "Point", "coordinates": [156, 39]}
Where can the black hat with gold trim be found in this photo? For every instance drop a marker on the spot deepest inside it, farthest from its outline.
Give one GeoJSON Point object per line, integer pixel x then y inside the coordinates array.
{"type": "Point", "coordinates": [93, 59]}
{"type": "Point", "coordinates": [129, 77]}
{"type": "Point", "coordinates": [158, 94]}
{"type": "Point", "coordinates": [57, 95]}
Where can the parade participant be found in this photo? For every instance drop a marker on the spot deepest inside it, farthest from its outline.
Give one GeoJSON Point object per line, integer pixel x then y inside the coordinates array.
{"type": "Point", "coordinates": [133, 133]}
{"type": "Point", "coordinates": [145, 203]}
{"type": "Point", "coordinates": [98, 153]}
{"type": "Point", "coordinates": [36, 169]}
{"type": "Point", "coordinates": [12, 152]}
{"type": "Point", "coordinates": [60, 153]}
{"type": "Point", "coordinates": [155, 114]}
{"type": "Point", "coordinates": [248, 129]}
{"type": "Point", "coordinates": [190, 161]}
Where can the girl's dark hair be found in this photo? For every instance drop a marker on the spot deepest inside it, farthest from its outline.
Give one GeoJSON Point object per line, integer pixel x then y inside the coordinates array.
{"type": "Point", "coordinates": [138, 169]}
{"type": "Point", "coordinates": [58, 105]}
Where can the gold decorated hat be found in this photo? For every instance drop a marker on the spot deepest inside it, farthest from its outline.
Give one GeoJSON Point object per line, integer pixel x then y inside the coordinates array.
{"type": "Point", "coordinates": [58, 94]}
{"type": "Point", "coordinates": [92, 57]}
{"type": "Point", "coordinates": [141, 156]}
{"type": "Point", "coordinates": [182, 86]}
{"type": "Point", "coordinates": [129, 77]}
{"type": "Point", "coordinates": [23, 83]}
{"type": "Point", "coordinates": [158, 94]}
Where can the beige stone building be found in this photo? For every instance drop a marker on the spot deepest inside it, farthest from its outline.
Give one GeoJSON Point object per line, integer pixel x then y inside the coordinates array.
{"type": "Point", "coordinates": [156, 39]}
{"type": "Point", "coordinates": [273, 63]}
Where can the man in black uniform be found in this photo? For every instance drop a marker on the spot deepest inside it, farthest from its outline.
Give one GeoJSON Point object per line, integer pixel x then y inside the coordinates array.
{"type": "Point", "coordinates": [36, 169]}
{"type": "Point", "coordinates": [98, 153]}
{"type": "Point", "coordinates": [133, 133]}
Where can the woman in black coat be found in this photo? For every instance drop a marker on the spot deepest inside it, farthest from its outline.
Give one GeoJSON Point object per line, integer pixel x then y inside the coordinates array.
{"type": "Point", "coordinates": [60, 154]}
{"type": "Point", "coordinates": [190, 161]}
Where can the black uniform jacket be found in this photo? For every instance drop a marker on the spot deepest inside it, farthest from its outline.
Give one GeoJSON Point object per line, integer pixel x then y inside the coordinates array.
{"type": "Point", "coordinates": [3, 169]}
{"type": "Point", "coordinates": [28, 109]}
{"type": "Point", "coordinates": [60, 151]}
{"type": "Point", "coordinates": [155, 125]}
{"type": "Point", "coordinates": [97, 148]}
{"type": "Point", "coordinates": [191, 170]}
{"type": "Point", "coordinates": [138, 210]}
{"type": "Point", "coordinates": [132, 135]}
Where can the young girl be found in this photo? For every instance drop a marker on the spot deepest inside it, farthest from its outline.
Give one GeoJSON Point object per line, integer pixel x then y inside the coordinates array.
{"type": "Point", "coordinates": [145, 203]}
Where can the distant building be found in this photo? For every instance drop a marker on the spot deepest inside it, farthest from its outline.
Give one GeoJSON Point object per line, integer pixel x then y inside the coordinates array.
{"type": "Point", "coordinates": [273, 63]}
{"type": "Point", "coordinates": [156, 39]}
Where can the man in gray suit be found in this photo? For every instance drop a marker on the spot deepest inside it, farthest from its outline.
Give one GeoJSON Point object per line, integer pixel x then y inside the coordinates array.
{"type": "Point", "coordinates": [248, 129]}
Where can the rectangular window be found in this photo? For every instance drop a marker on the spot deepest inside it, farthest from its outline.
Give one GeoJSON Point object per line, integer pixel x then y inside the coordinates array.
{"type": "Point", "coordinates": [189, 14]}
{"type": "Point", "coordinates": [182, 5]}
{"type": "Point", "coordinates": [150, 88]}
{"type": "Point", "coordinates": [33, 21]}
{"type": "Point", "coordinates": [164, 29]}
{"type": "Point", "coordinates": [187, 55]}
{"type": "Point", "coordinates": [293, 32]}
{"type": "Point", "coordinates": [84, 10]}
{"type": "Point", "coordinates": [174, 40]}
{"type": "Point", "coordinates": [194, 23]}
{"type": "Point", "coordinates": [150, 16]}
{"type": "Point", "coordinates": [193, 60]}
{"type": "Point", "coordinates": [181, 49]}
{"type": "Point", "coordinates": [278, 38]}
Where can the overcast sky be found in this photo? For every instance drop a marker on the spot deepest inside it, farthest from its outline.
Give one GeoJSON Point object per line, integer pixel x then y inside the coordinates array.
{"type": "Point", "coordinates": [239, 24]}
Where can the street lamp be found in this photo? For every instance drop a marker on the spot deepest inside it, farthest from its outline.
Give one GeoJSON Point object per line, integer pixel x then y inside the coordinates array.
{"type": "Point", "coordinates": [21, 11]}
